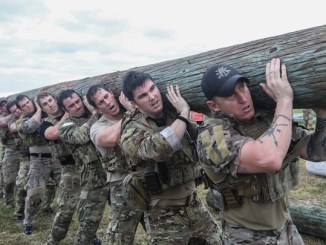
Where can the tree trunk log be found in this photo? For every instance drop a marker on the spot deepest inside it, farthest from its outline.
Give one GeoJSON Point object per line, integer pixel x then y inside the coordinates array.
{"type": "Point", "coordinates": [303, 52]}
{"type": "Point", "coordinates": [308, 219]}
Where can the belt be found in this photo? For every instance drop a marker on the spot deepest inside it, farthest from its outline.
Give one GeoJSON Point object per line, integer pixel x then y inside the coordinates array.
{"type": "Point", "coordinates": [186, 201]}
{"type": "Point", "coordinates": [46, 155]}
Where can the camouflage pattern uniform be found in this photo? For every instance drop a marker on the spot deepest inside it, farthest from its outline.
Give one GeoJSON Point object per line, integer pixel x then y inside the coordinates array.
{"type": "Point", "coordinates": [246, 197]}
{"type": "Point", "coordinates": [42, 167]}
{"type": "Point", "coordinates": [74, 132]}
{"type": "Point", "coordinates": [123, 219]}
{"type": "Point", "coordinates": [175, 213]}
{"type": "Point", "coordinates": [2, 150]}
{"type": "Point", "coordinates": [21, 178]}
{"type": "Point", "coordinates": [10, 166]}
{"type": "Point", "coordinates": [69, 186]}
{"type": "Point", "coordinates": [308, 118]}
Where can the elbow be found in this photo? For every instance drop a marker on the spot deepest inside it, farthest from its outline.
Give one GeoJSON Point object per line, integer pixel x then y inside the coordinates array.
{"type": "Point", "coordinates": [273, 163]}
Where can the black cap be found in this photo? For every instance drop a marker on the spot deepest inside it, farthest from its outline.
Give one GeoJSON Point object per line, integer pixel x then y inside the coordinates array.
{"type": "Point", "coordinates": [220, 80]}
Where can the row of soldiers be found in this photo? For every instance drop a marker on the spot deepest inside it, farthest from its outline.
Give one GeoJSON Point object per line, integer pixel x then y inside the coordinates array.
{"type": "Point", "coordinates": [146, 156]}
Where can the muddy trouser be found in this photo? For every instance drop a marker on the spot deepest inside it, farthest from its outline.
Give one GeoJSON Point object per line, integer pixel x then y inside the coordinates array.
{"type": "Point", "coordinates": [68, 197]}
{"type": "Point", "coordinates": [10, 167]}
{"type": "Point", "coordinates": [123, 219]}
{"type": "Point", "coordinates": [286, 235]}
{"type": "Point", "coordinates": [40, 171]}
{"type": "Point", "coordinates": [92, 201]}
{"type": "Point", "coordinates": [21, 180]}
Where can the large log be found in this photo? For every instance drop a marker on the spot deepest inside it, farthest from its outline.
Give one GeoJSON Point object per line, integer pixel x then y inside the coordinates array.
{"type": "Point", "coordinates": [309, 219]}
{"type": "Point", "coordinates": [304, 53]}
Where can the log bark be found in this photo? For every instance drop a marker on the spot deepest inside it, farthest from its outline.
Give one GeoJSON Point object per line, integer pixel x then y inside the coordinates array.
{"type": "Point", "coordinates": [310, 220]}
{"type": "Point", "coordinates": [303, 52]}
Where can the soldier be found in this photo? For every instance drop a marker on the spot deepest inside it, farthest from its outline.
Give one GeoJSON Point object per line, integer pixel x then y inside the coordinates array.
{"type": "Point", "coordinates": [10, 162]}
{"type": "Point", "coordinates": [23, 157]}
{"type": "Point", "coordinates": [105, 134]}
{"type": "Point", "coordinates": [4, 119]}
{"type": "Point", "coordinates": [42, 164]}
{"type": "Point", "coordinates": [74, 131]}
{"type": "Point", "coordinates": [69, 186]}
{"type": "Point", "coordinates": [252, 156]}
{"type": "Point", "coordinates": [308, 118]}
{"type": "Point", "coordinates": [157, 145]}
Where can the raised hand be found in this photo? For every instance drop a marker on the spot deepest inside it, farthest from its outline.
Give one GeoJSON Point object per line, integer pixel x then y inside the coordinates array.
{"type": "Point", "coordinates": [179, 103]}
{"type": "Point", "coordinates": [125, 102]}
{"type": "Point", "coordinates": [277, 85]}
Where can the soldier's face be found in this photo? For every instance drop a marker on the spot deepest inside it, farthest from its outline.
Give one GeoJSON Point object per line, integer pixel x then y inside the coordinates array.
{"type": "Point", "coordinates": [148, 99]}
{"type": "Point", "coordinates": [74, 106]}
{"type": "Point", "coordinates": [106, 103]}
{"type": "Point", "coordinates": [15, 111]}
{"type": "Point", "coordinates": [27, 106]}
{"type": "Point", "coordinates": [240, 104]}
{"type": "Point", "coordinates": [49, 105]}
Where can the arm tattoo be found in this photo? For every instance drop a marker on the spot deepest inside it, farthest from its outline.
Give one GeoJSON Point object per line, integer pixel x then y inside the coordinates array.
{"type": "Point", "coordinates": [275, 128]}
{"type": "Point", "coordinates": [317, 144]}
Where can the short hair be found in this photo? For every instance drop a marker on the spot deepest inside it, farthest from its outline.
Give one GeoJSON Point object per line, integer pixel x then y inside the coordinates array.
{"type": "Point", "coordinates": [19, 98]}
{"type": "Point", "coordinates": [132, 80]}
{"type": "Point", "coordinates": [64, 95]}
{"type": "Point", "coordinates": [92, 91]}
{"type": "Point", "coordinates": [42, 95]}
{"type": "Point", "coordinates": [11, 104]}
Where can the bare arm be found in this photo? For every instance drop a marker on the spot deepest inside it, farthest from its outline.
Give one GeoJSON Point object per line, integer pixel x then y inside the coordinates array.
{"type": "Point", "coordinates": [266, 154]}
{"type": "Point", "coordinates": [52, 133]}
{"type": "Point", "coordinates": [108, 136]}
{"type": "Point", "coordinates": [4, 121]}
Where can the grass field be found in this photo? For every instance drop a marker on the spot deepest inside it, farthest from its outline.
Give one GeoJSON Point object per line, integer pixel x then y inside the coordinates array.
{"type": "Point", "coordinates": [311, 190]}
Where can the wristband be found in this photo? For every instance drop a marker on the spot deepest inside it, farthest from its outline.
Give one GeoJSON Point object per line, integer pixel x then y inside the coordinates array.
{"type": "Point", "coordinates": [183, 119]}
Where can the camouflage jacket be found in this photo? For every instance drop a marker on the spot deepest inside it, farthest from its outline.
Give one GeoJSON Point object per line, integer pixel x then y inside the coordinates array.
{"type": "Point", "coordinates": [28, 131]}
{"type": "Point", "coordinates": [58, 148]}
{"type": "Point", "coordinates": [74, 132]}
{"type": "Point", "coordinates": [219, 144]}
{"type": "Point", "coordinates": [147, 149]}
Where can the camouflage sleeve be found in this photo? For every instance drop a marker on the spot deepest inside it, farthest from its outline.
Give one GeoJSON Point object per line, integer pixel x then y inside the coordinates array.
{"type": "Point", "coordinates": [71, 133]}
{"type": "Point", "coordinates": [140, 144]}
{"type": "Point", "coordinates": [219, 146]}
{"type": "Point", "coordinates": [28, 126]}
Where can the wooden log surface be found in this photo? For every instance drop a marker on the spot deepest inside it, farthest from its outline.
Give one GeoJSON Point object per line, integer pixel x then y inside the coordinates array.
{"type": "Point", "coordinates": [303, 52]}
{"type": "Point", "coordinates": [309, 219]}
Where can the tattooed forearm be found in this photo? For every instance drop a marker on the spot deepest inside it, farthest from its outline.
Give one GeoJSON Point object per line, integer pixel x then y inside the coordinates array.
{"type": "Point", "coordinates": [275, 128]}
{"type": "Point", "coordinates": [316, 148]}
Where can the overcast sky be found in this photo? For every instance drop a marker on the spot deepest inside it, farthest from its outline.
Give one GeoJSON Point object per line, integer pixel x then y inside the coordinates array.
{"type": "Point", "coordinates": [44, 42]}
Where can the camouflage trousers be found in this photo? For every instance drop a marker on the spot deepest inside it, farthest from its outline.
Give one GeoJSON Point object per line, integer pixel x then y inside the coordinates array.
{"type": "Point", "coordinates": [287, 235]}
{"type": "Point", "coordinates": [21, 180]}
{"type": "Point", "coordinates": [2, 152]}
{"type": "Point", "coordinates": [123, 219]}
{"type": "Point", "coordinates": [178, 224]}
{"type": "Point", "coordinates": [40, 173]}
{"type": "Point", "coordinates": [90, 210]}
{"type": "Point", "coordinates": [10, 167]}
{"type": "Point", "coordinates": [68, 197]}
